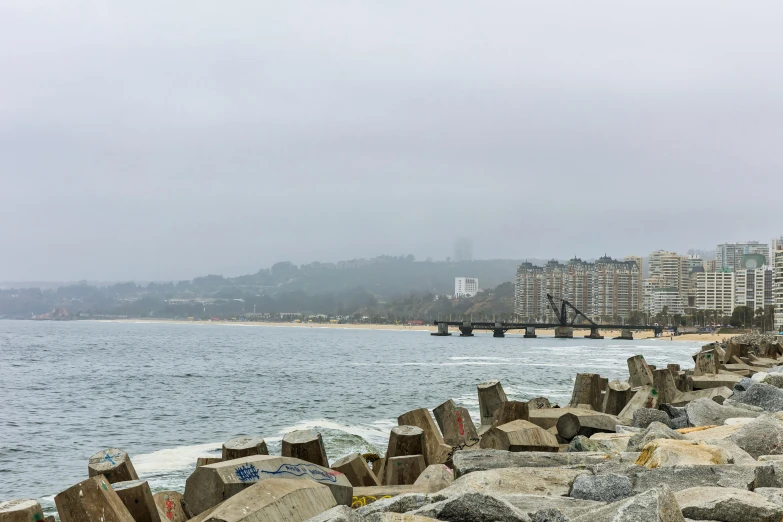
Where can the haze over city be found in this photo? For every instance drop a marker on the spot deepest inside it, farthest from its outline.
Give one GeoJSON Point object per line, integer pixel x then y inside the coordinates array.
{"type": "Point", "coordinates": [150, 141]}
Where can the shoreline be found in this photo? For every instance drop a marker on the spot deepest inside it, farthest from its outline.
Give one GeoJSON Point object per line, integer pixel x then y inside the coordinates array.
{"type": "Point", "coordinates": [544, 332]}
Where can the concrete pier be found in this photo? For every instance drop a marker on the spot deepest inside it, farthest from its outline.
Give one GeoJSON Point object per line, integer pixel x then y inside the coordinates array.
{"type": "Point", "coordinates": [443, 330]}
{"type": "Point", "coordinates": [530, 332]}
{"type": "Point", "coordinates": [625, 335]}
{"type": "Point", "coordinates": [594, 334]}
{"type": "Point", "coordinates": [564, 332]}
{"type": "Point", "coordinates": [466, 330]}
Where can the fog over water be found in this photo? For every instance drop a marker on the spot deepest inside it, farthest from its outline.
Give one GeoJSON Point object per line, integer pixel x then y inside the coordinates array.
{"type": "Point", "coordinates": [158, 141]}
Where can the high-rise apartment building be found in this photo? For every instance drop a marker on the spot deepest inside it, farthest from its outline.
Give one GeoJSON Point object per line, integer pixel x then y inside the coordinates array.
{"type": "Point", "coordinates": [606, 289]}
{"type": "Point", "coordinates": [465, 286]}
{"type": "Point", "coordinates": [777, 282]}
{"type": "Point", "coordinates": [715, 291]}
{"type": "Point", "coordinates": [728, 256]}
{"type": "Point", "coordinates": [667, 271]}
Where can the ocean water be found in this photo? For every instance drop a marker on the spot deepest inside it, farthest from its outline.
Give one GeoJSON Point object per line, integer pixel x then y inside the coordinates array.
{"type": "Point", "coordinates": [169, 393]}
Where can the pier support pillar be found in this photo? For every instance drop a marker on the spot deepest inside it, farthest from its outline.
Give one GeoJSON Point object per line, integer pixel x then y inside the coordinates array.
{"type": "Point", "coordinates": [443, 330]}
{"type": "Point", "coordinates": [594, 334]}
{"type": "Point", "coordinates": [530, 332]}
{"type": "Point", "coordinates": [498, 332]}
{"type": "Point", "coordinates": [564, 332]}
{"type": "Point", "coordinates": [466, 330]}
{"type": "Point", "coordinates": [625, 335]}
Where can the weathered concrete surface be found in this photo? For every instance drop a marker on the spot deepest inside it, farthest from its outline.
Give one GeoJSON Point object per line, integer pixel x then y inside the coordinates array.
{"type": "Point", "coordinates": [112, 463]}
{"type": "Point", "coordinates": [472, 507]}
{"type": "Point", "coordinates": [356, 470]}
{"type": "Point", "coordinates": [244, 446]}
{"type": "Point", "coordinates": [547, 417]}
{"type": "Point", "coordinates": [491, 397]}
{"type": "Point", "coordinates": [171, 504]}
{"type": "Point", "coordinates": [137, 498]}
{"type": "Point", "coordinates": [517, 436]}
{"type": "Point", "coordinates": [587, 390]}
{"type": "Point", "coordinates": [405, 440]}
{"type": "Point", "coordinates": [280, 500]}
{"type": "Point", "coordinates": [616, 397]}
{"type": "Point", "coordinates": [663, 381]}
{"type": "Point", "coordinates": [668, 452]}
{"type": "Point", "coordinates": [210, 485]}
{"type": "Point", "coordinates": [517, 481]}
{"type": "Point", "coordinates": [435, 477]}
{"type": "Point", "coordinates": [643, 397]}
{"type": "Point", "coordinates": [639, 371]}
{"type": "Point", "coordinates": [403, 471]}
{"type": "Point", "coordinates": [307, 445]}
{"type": "Point", "coordinates": [728, 505]}
{"type": "Point", "coordinates": [586, 424]}
{"type": "Point", "coordinates": [654, 505]}
{"type": "Point", "coordinates": [436, 451]}
{"type": "Point", "coordinates": [21, 510]}
{"type": "Point", "coordinates": [466, 462]}
{"type": "Point", "coordinates": [710, 393]}
{"type": "Point", "coordinates": [92, 500]}
{"type": "Point", "coordinates": [706, 363]}
{"type": "Point", "coordinates": [205, 461]}
{"type": "Point", "coordinates": [455, 423]}
{"type": "Point", "coordinates": [511, 411]}
{"type": "Point", "coordinates": [701, 382]}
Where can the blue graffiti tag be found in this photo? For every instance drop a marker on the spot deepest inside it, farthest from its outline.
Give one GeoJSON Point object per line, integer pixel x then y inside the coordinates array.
{"type": "Point", "coordinates": [247, 473]}
{"type": "Point", "coordinates": [311, 470]}
{"type": "Point", "coordinates": [109, 458]}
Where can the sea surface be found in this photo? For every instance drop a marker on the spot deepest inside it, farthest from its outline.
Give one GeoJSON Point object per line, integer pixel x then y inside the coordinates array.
{"type": "Point", "coordinates": [169, 393]}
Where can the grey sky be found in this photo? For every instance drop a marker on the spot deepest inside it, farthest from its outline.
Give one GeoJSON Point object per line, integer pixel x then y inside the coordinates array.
{"type": "Point", "coordinates": [165, 140]}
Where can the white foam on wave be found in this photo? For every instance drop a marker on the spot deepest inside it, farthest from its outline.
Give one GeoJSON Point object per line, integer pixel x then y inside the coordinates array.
{"type": "Point", "coordinates": [379, 429]}
{"type": "Point", "coordinates": [172, 459]}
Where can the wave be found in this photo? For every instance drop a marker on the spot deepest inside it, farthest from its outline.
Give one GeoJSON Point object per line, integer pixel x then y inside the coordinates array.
{"type": "Point", "coordinates": [173, 459]}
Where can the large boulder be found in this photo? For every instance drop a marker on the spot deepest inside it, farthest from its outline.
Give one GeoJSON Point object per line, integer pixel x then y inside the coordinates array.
{"type": "Point", "coordinates": [281, 500]}
{"type": "Point", "coordinates": [479, 460]}
{"type": "Point", "coordinates": [667, 452]}
{"type": "Point", "coordinates": [774, 495]}
{"type": "Point", "coordinates": [654, 505]}
{"type": "Point", "coordinates": [605, 488]}
{"type": "Point", "coordinates": [548, 515]}
{"type": "Point", "coordinates": [398, 504]}
{"type": "Point", "coordinates": [706, 412]}
{"type": "Point", "coordinates": [517, 481]}
{"type": "Point", "coordinates": [397, 517]}
{"type": "Point", "coordinates": [366, 496]}
{"type": "Point", "coordinates": [654, 431]}
{"type": "Point", "coordinates": [568, 506]}
{"type": "Point", "coordinates": [212, 484]}
{"type": "Point", "coordinates": [337, 514]}
{"type": "Point", "coordinates": [764, 396]}
{"type": "Point", "coordinates": [684, 477]}
{"type": "Point", "coordinates": [472, 507]}
{"type": "Point", "coordinates": [643, 417]}
{"type": "Point", "coordinates": [727, 505]}
{"type": "Point", "coordinates": [761, 436]}
{"type": "Point", "coordinates": [581, 443]}
{"type": "Point", "coordinates": [435, 477]}
{"type": "Point", "coordinates": [519, 435]}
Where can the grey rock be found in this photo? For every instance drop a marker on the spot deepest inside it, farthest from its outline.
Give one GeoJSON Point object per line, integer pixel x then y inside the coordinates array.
{"type": "Point", "coordinates": [761, 436]}
{"type": "Point", "coordinates": [516, 481]}
{"type": "Point", "coordinates": [705, 412]}
{"type": "Point", "coordinates": [472, 507]}
{"type": "Point", "coordinates": [398, 504]}
{"type": "Point", "coordinates": [727, 504]}
{"type": "Point", "coordinates": [734, 404]}
{"type": "Point", "coordinates": [656, 430]}
{"type": "Point", "coordinates": [654, 505]}
{"type": "Point", "coordinates": [627, 429]}
{"type": "Point", "coordinates": [679, 422]}
{"type": "Point", "coordinates": [338, 514]}
{"type": "Point", "coordinates": [684, 477]}
{"type": "Point", "coordinates": [643, 417]}
{"type": "Point", "coordinates": [736, 454]}
{"type": "Point", "coordinates": [768, 458]}
{"type": "Point", "coordinates": [582, 443]}
{"type": "Point", "coordinates": [606, 488]}
{"type": "Point", "coordinates": [769, 475]}
{"type": "Point", "coordinates": [479, 460]}
{"type": "Point", "coordinates": [548, 515]}
{"type": "Point", "coordinates": [743, 385]}
{"type": "Point", "coordinates": [764, 396]}
{"type": "Point", "coordinates": [774, 379]}
{"type": "Point", "coordinates": [570, 507]}
{"type": "Point", "coordinates": [774, 495]}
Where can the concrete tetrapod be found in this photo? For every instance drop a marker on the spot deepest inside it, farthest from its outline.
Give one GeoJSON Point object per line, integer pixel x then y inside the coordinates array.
{"type": "Point", "coordinates": [21, 510]}
{"type": "Point", "coordinates": [436, 451]}
{"type": "Point", "coordinates": [706, 363]}
{"type": "Point", "coordinates": [519, 435]}
{"type": "Point", "coordinates": [405, 440]}
{"type": "Point", "coordinates": [92, 500]}
{"type": "Point", "coordinates": [616, 397]}
{"type": "Point", "coordinates": [356, 470]}
{"type": "Point", "coordinates": [572, 424]}
{"type": "Point", "coordinates": [210, 485]}
{"type": "Point", "coordinates": [112, 463]}
{"type": "Point", "coordinates": [403, 471]}
{"type": "Point", "coordinates": [281, 500]}
{"type": "Point", "coordinates": [455, 423]}
{"type": "Point", "coordinates": [587, 391]}
{"type": "Point", "coordinates": [137, 498]}
{"type": "Point", "coordinates": [511, 411]}
{"type": "Point", "coordinates": [171, 505]}
{"type": "Point", "coordinates": [491, 397]}
{"type": "Point", "coordinates": [244, 446]}
{"type": "Point", "coordinates": [204, 461]}
{"type": "Point", "coordinates": [307, 445]}
{"type": "Point", "coordinates": [639, 370]}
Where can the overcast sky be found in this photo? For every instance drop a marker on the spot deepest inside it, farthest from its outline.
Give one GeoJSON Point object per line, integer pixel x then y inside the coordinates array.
{"type": "Point", "coordinates": [154, 140]}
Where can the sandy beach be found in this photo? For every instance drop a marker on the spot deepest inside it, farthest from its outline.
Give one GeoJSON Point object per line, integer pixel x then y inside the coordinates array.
{"type": "Point", "coordinates": [608, 334]}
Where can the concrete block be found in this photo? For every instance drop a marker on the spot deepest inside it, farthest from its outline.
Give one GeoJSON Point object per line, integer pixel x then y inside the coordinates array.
{"type": "Point", "coordinates": [706, 363]}
{"type": "Point", "coordinates": [402, 471]}
{"type": "Point", "coordinates": [245, 446]}
{"type": "Point", "coordinates": [281, 500]}
{"type": "Point", "coordinates": [356, 470]}
{"type": "Point", "coordinates": [21, 510]}
{"type": "Point", "coordinates": [210, 485]}
{"type": "Point", "coordinates": [615, 397]}
{"type": "Point", "coordinates": [112, 463]}
{"type": "Point", "coordinates": [663, 382]}
{"type": "Point", "coordinates": [639, 370]}
{"type": "Point", "coordinates": [564, 332]}
{"type": "Point", "coordinates": [92, 500]}
{"type": "Point", "coordinates": [307, 445]}
{"type": "Point", "coordinates": [204, 461]}
{"type": "Point", "coordinates": [436, 451]}
{"type": "Point", "coordinates": [701, 382]}
{"type": "Point", "coordinates": [172, 506]}
{"type": "Point", "coordinates": [643, 397]}
{"type": "Point", "coordinates": [435, 477]}
{"type": "Point", "coordinates": [587, 390]}
{"type": "Point", "coordinates": [511, 411]}
{"type": "Point", "coordinates": [519, 436]}
{"type": "Point", "coordinates": [137, 498]}
{"type": "Point", "coordinates": [547, 417]}
{"type": "Point", "coordinates": [671, 452]}
{"type": "Point", "coordinates": [455, 423]}
{"type": "Point", "coordinates": [572, 424]}
{"type": "Point", "coordinates": [491, 397]}
{"type": "Point", "coordinates": [405, 440]}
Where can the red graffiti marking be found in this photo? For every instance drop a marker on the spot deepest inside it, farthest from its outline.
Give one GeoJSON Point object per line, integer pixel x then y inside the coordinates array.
{"type": "Point", "coordinates": [169, 510]}
{"type": "Point", "coordinates": [459, 422]}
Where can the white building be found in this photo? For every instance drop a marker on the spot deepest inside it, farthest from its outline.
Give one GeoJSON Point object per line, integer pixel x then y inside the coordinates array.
{"type": "Point", "coordinates": [753, 282]}
{"type": "Point", "coordinates": [777, 283]}
{"type": "Point", "coordinates": [728, 256]}
{"type": "Point", "coordinates": [715, 291]}
{"type": "Point", "coordinates": [465, 286]}
{"type": "Point", "coordinates": [667, 270]}
{"type": "Point", "coordinates": [659, 299]}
